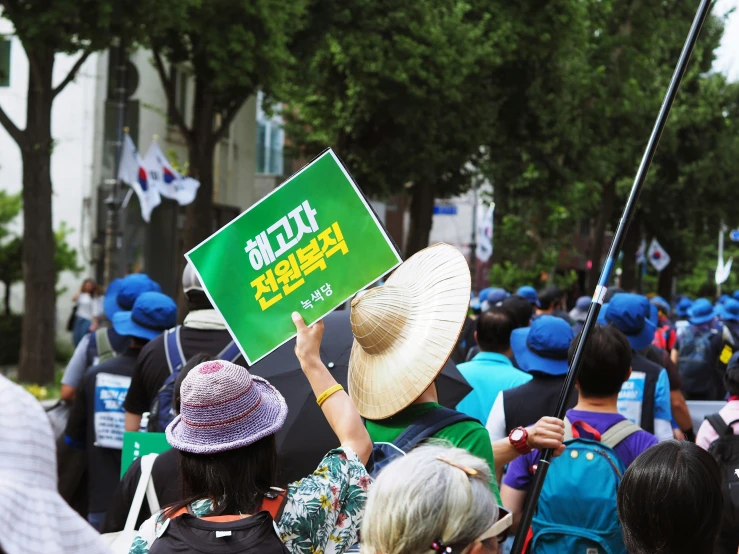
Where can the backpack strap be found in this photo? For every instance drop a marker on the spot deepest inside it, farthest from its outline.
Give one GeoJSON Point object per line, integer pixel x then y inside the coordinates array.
{"type": "Point", "coordinates": [427, 426]}
{"type": "Point", "coordinates": [173, 349]}
{"type": "Point", "coordinates": [719, 425]}
{"type": "Point", "coordinates": [274, 503]}
{"type": "Point", "coordinates": [230, 353]}
{"type": "Point", "coordinates": [619, 432]}
{"type": "Point", "coordinates": [612, 437]}
{"type": "Point", "coordinates": [145, 487]}
{"type": "Point", "coordinates": [102, 342]}
{"type": "Point", "coordinates": [727, 336]}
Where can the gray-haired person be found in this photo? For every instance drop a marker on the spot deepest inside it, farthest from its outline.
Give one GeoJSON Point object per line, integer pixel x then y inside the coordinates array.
{"type": "Point", "coordinates": [434, 499]}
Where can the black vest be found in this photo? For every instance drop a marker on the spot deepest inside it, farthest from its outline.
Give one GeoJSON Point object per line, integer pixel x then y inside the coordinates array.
{"type": "Point", "coordinates": [651, 371]}
{"type": "Point", "coordinates": [527, 404]}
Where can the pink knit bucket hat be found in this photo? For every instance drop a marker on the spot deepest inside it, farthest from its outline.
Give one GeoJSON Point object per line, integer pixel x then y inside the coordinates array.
{"type": "Point", "coordinates": [224, 407]}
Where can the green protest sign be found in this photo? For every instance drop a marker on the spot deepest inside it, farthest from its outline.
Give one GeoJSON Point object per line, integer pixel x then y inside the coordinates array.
{"type": "Point", "coordinates": [308, 246]}
{"type": "Point", "coordinates": [136, 445]}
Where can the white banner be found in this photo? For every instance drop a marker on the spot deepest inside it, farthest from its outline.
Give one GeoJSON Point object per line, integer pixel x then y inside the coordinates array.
{"type": "Point", "coordinates": [109, 422]}
{"type": "Point", "coordinates": [658, 257]}
{"type": "Point", "coordinates": [723, 271]}
{"type": "Point", "coordinates": [484, 232]}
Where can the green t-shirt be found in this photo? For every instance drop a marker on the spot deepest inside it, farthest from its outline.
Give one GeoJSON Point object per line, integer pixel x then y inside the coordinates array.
{"type": "Point", "coordinates": [470, 435]}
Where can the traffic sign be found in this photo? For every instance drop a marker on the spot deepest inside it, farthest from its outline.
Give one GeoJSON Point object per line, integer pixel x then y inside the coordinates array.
{"type": "Point", "coordinates": [734, 235]}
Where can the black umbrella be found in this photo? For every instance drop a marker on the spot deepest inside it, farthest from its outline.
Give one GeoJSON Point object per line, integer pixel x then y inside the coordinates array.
{"type": "Point", "coordinates": [306, 436]}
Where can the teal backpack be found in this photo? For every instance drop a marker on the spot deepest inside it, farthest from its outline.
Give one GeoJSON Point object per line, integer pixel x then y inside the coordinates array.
{"type": "Point", "coordinates": [576, 512]}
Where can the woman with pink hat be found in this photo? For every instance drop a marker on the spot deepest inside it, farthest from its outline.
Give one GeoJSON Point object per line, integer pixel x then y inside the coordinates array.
{"type": "Point", "coordinates": [225, 434]}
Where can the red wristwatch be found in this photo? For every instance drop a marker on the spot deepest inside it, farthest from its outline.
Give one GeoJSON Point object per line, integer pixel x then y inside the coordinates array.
{"type": "Point", "coordinates": [519, 438]}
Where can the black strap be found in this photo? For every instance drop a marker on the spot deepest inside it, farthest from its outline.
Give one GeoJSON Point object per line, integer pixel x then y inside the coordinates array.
{"type": "Point", "coordinates": [719, 425]}
{"type": "Point", "coordinates": [427, 426]}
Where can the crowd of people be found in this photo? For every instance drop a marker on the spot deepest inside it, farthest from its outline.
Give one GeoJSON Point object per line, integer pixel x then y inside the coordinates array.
{"type": "Point", "coordinates": [407, 474]}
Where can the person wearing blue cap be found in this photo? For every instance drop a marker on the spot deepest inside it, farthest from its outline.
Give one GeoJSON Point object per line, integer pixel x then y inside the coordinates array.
{"type": "Point", "coordinates": [541, 351]}
{"type": "Point", "coordinates": [493, 297]}
{"type": "Point", "coordinates": [697, 360]}
{"type": "Point", "coordinates": [161, 360]}
{"type": "Point", "coordinates": [96, 423]}
{"type": "Point", "coordinates": [530, 294]}
{"type": "Point", "coordinates": [645, 397]}
{"type": "Point", "coordinates": [104, 343]}
{"type": "Point", "coordinates": [726, 342]}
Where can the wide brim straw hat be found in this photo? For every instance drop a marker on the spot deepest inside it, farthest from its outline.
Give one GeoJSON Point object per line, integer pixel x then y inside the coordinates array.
{"type": "Point", "coordinates": [405, 331]}
{"type": "Point", "coordinates": [34, 519]}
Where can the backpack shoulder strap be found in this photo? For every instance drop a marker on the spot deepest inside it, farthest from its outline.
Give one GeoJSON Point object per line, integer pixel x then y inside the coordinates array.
{"type": "Point", "coordinates": [275, 503]}
{"type": "Point", "coordinates": [145, 487]}
{"type": "Point", "coordinates": [173, 349]}
{"type": "Point", "coordinates": [619, 432]}
{"type": "Point", "coordinates": [427, 426]}
{"type": "Point", "coordinates": [230, 352]}
{"type": "Point", "coordinates": [719, 425]}
{"type": "Point", "coordinates": [103, 342]}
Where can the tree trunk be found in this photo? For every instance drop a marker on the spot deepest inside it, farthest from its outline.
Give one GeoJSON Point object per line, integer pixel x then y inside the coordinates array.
{"type": "Point", "coordinates": [37, 338]}
{"type": "Point", "coordinates": [7, 298]}
{"type": "Point", "coordinates": [631, 245]}
{"type": "Point", "coordinates": [422, 215]}
{"type": "Point", "coordinates": [664, 285]}
{"type": "Point", "coordinates": [201, 145]}
{"type": "Point", "coordinates": [601, 224]}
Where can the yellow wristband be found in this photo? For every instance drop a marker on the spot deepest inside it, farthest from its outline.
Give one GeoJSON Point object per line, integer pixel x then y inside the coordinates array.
{"type": "Point", "coordinates": [327, 393]}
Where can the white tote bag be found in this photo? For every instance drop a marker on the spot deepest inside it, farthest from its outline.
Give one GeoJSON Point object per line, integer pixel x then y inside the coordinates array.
{"type": "Point", "coordinates": [120, 542]}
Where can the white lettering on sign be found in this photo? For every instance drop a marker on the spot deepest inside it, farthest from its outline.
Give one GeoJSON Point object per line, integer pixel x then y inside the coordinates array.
{"type": "Point", "coordinates": [287, 232]}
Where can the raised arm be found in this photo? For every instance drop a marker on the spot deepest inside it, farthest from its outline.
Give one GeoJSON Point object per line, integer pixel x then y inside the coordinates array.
{"type": "Point", "coordinates": [338, 408]}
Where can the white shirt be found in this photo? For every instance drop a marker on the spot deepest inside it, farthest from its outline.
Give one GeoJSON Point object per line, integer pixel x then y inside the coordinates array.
{"type": "Point", "coordinates": [88, 307]}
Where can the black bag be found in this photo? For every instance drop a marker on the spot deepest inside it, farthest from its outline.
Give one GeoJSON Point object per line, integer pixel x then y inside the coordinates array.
{"type": "Point", "coordinates": [696, 366]}
{"type": "Point", "coordinates": [72, 316]}
{"type": "Point", "coordinates": [725, 449]}
{"type": "Point", "coordinates": [424, 427]}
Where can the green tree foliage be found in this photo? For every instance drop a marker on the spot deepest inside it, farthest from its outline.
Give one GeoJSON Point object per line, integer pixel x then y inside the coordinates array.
{"type": "Point", "coordinates": [403, 92]}
{"type": "Point", "coordinates": [232, 49]}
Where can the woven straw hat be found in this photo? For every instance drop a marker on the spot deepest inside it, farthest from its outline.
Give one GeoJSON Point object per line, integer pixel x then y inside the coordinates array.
{"type": "Point", "coordinates": [224, 407]}
{"type": "Point", "coordinates": [405, 330]}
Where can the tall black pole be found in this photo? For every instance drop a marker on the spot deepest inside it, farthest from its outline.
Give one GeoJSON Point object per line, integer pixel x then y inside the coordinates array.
{"type": "Point", "coordinates": [113, 201]}
{"type": "Point", "coordinates": [600, 290]}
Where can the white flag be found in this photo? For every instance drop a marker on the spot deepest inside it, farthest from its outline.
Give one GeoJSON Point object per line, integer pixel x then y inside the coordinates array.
{"type": "Point", "coordinates": [658, 257]}
{"type": "Point", "coordinates": [132, 171]}
{"type": "Point", "coordinates": [641, 253]}
{"type": "Point", "coordinates": [168, 180]}
{"type": "Point", "coordinates": [484, 232]}
{"type": "Point", "coordinates": [723, 271]}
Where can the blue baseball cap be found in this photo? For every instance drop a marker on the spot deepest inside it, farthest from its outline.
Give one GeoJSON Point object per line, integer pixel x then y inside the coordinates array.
{"type": "Point", "coordinates": [701, 311]}
{"type": "Point", "coordinates": [736, 295]}
{"type": "Point", "coordinates": [496, 295]}
{"type": "Point", "coordinates": [683, 307]}
{"type": "Point", "coordinates": [122, 293]}
{"type": "Point", "coordinates": [661, 303]}
{"type": "Point", "coordinates": [631, 314]}
{"type": "Point", "coordinates": [543, 346]}
{"type": "Point", "coordinates": [580, 311]}
{"type": "Point", "coordinates": [152, 314]}
{"type": "Point", "coordinates": [730, 310]}
{"type": "Point", "coordinates": [721, 299]}
{"type": "Point", "coordinates": [529, 293]}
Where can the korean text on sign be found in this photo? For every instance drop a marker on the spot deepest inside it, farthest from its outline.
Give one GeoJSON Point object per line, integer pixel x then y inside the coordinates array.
{"type": "Point", "coordinates": [287, 276]}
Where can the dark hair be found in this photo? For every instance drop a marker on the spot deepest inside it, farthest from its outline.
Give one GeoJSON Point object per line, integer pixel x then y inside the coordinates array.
{"type": "Point", "coordinates": [670, 500]}
{"type": "Point", "coordinates": [235, 480]}
{"type": "Point", "coordinates": [494, 329]}
{"type": "Point", "coordinates": [606, 362]}
{"type": "Point", "coordinates": [196, 360]}
{"type": "Point", "coordinates": [198, 300]}
{"type": "Point", "coordinates": [548, 297]}
{"type": "Point", "coordinates": [519, 309]}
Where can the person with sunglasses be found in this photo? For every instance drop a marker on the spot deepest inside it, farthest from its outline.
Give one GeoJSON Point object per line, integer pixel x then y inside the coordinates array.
{"type": "Point", "coordinates": [436, 499]}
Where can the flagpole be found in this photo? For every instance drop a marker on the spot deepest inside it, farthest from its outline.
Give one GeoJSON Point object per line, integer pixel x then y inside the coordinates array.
{"type": "Point", "coordinates": [616, 244]}
{"type": "Point", "coordinates": [113, 202]}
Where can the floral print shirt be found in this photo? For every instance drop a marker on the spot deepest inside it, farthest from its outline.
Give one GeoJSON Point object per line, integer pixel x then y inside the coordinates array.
{"type": "Point", "coordinates": [322, 513]}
